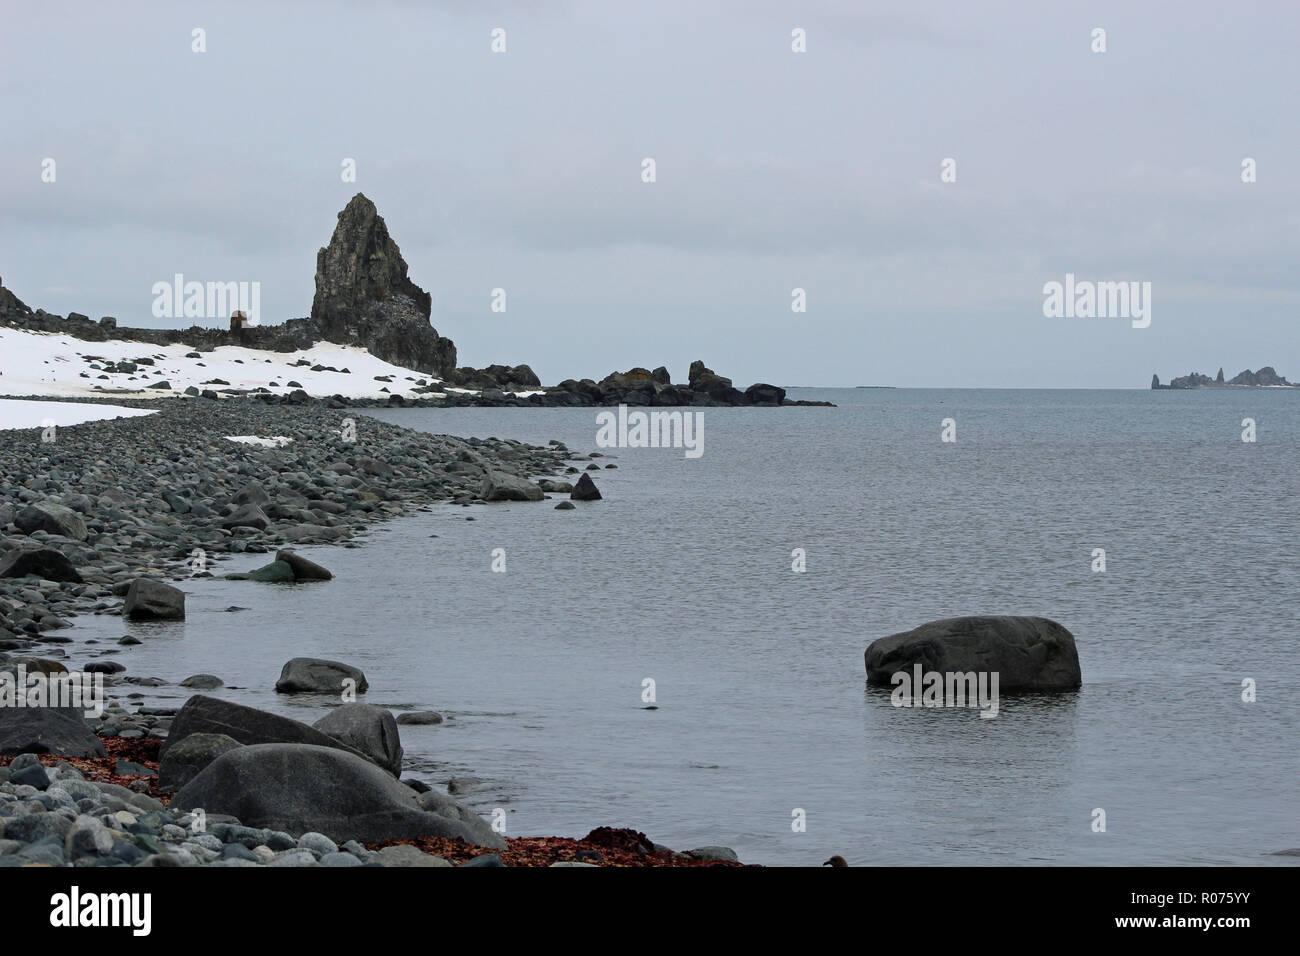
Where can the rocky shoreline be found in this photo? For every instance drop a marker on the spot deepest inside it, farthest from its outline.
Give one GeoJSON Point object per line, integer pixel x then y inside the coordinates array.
{"type": "Point", "coordinates": [107, 518]}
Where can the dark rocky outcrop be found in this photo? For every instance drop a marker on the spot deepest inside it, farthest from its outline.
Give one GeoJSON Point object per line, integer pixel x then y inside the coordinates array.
{"type": "Point", "coordinates": [1266, 377]}
{"type": "Point", "coordinates": [10, 304]}
{"type": "Point", "coordinates": [760, 394]}
{"type": "Point", "coordinates": [507, 378]}
{"type": "Point", "coordinates": [365, 298]}
{"type": "Point", "coordinates": [149, 599]}
{"type": "Point", "coordinates": [1028, 653]}
{"type": "Point", "coordinates": [298, 789]}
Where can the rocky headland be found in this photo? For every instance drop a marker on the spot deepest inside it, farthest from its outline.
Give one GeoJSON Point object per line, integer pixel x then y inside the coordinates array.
{"type": "Point", "coordinates": [1266, 377]}
{"type": "Point", "coordinates": [366, 299]}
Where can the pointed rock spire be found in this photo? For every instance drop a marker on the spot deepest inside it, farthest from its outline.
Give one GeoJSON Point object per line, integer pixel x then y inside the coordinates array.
{"type": "Point", "coordinates": [364, 296]}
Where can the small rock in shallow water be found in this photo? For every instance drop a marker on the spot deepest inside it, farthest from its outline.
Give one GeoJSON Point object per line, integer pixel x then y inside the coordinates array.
{"type": "Point", "coordinates": [203, 682]}
{"type": "Point", "coordinates": [316, 676]}
{"type": "Point", "coordinates": [277, 572]}
{"type": "Point", "coordinates": [151, 600]}
{"type": "Point", "coordinates": [585, 490]}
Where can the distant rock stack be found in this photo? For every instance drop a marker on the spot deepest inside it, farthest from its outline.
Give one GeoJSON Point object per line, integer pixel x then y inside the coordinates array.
{"type": "Point", "coordinates": [365, 298]}
{"type": "Point", "coordinates": [1266, 377]}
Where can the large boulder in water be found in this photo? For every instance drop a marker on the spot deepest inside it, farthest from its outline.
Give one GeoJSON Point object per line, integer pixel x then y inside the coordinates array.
{"type": "Point", "coordinates": [1028, 653]}
{"type": "Point", "coordinates": [369, 729]}
{"type": "Point", "coordinates": [247, 725]}
{"type": "Point", "coordinates": [41, 562]}
{"type": "Point", "coordinates": [149, 599]}
{"type": "Point", "coordinates": [47, 730]}
{"type": "Point", "coordinates": [52, 519]}
{"type": "Point", "coordinates": [311, 675]}
{"type": "Point", "coordinates": [365, 298]}
{"type": "Point", "coordinates": [299, 789]}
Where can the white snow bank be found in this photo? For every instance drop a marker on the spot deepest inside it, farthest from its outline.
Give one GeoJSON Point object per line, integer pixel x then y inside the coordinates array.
{"type": "Point", "coordinates": [14, 414]}
{"type": "Point", "coordinates": [47, 363]}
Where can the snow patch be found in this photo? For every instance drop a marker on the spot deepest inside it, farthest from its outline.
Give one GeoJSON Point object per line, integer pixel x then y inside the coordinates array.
{"type": "Point", "coordinates": [275, 441]}
{"type": "Point", "coordinates": [47, 363]}
{"type": "Point", "coordinates": [16, 414]}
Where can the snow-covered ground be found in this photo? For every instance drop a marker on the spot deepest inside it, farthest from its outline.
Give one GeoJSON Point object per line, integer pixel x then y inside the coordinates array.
{"type": "Point", "coordinates": [17, 414]}
{"type": "Point", "coordinates": [44, 363]}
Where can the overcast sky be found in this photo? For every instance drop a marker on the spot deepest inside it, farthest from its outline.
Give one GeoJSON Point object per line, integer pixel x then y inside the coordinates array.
{"type": "Point", "coordinates": [774, 170]}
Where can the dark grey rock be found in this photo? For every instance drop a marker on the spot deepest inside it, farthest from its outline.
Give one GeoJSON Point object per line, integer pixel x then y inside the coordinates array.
{"type": "Point", "coordinates": [300, 788]}
{"type": "Point", "coordinates": [277, 572]}
{"type": "Point", "coordinates": [47, 730]}
{"type": "Point", "coordinates": [39, 562]}
{"type": "Point", "coordinates": [151, 600]}
{"type": "Point", "coordinates": [247, 516]}
{"type": "Point", "coordinates": [303, 570]}
{"type": "Point", "coordinates": [182, 761]}
{"type": "Point", "coordinates": [33, 776]}
{"type": "Point", "coordinates": [364, 296]}
{"type": "Point", "coordinates": [247, 725]}
{"type": "Point", "coordinates": [52, 519]}
{"type": "Point", "coordinates": [586, 489]}
{"type": "Point", "coordinates": [311, 675]}
{"type": "Point", "coordinates": [369, 729]}
{"type": "Point", "coordinates": [203, 682]}
{"type": "Point", "coordinates": [501, 486]}
{"type": "Point", "coordinates": [1028, 653]}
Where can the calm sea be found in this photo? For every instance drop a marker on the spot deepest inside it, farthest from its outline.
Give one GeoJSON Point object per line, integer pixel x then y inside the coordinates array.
{"type": "Point", "coordinates": [682, 575]}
